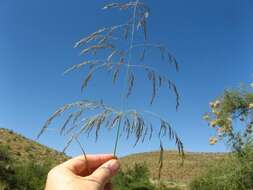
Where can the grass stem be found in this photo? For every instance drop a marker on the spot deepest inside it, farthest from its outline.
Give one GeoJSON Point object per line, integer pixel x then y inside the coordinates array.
{"type": "Point", "coordinates": [117, 139]}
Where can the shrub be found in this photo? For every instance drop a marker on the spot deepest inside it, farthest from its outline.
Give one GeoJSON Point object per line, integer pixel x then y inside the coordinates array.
{"type": "Point", "coordinates": [162, 186]}
{"type": "Point", "coordinates": [4, 153]}
{"type": "Point", "coordinates": [234, 106]}
{"type": "Point", "coordinates": [26, 176]}
{"type": "Point", "coordinates": [136, 178]}
{"type": "Point", "coordinates": [29, 176]}
{"type": "Point", "coordinates": [6, 169]}
{"type": "Point", "coordinates": [235, 174]}
{"type": "Point", "coordinates": [21, 176]}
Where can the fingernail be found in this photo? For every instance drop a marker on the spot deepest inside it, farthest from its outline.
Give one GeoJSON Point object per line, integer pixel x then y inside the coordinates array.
{"type": "Point", "coordinates": [113, 165]}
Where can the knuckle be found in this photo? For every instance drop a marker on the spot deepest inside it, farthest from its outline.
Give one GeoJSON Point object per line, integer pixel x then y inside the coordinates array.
{"type": "Point", "coordinates": [53, 172]}
{"type": "Point", "coordinates": [105, 170]}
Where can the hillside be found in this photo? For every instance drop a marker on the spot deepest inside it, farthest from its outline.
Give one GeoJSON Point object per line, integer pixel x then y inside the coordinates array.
{"type": "Point", "coordinates": [23, 149]}
{"type": "Point", "coordinates": [194, 164]}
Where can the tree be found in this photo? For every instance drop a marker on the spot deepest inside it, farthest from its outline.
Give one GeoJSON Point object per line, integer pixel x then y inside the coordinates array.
{"type": "Point", "coordinates": [232, 117]}
{"type": "Point", "coordinates": [113, 49]}
{"type": "Point", "coordinates": [232, 108]}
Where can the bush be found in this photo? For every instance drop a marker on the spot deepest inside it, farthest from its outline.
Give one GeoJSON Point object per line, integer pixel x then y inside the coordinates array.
{"type": "Point", "coordinates": [231, 117]}
{"type": "Point", "coordinates": [162, 186]}
{"type": "Point", "coordinates": [6, 170]}
{"type": "Point", "coordinates": [21, 176]}
{"type": "Point", "coordinates": [235, 174]}
{"type": "Point", "coordinates": [136, 178]}
{"type": "Point", "coordinates": [27, 176]}
{"type": "Point", "coordinates": [4, 153]}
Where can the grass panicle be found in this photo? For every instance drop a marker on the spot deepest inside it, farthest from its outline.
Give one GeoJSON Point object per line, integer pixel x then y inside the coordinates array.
{"type": "Point", "coordinates": [111, 49]}
{"type": "Point", "coordinates": [132, 122]}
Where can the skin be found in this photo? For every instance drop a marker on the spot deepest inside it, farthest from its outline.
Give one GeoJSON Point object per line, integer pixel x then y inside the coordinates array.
{"type": "Point", "coordinates": [95, 173]}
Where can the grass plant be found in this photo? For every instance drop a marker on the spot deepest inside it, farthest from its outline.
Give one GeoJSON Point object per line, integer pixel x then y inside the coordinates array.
{"type": "Point", "coordinates": [113, 49]}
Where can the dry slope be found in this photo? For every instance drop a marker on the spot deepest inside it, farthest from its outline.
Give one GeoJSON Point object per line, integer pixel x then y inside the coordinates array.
{"type": "Point", "coordinates": [24, 149]}
{"type": "Point", "coordinates": [194, 164]}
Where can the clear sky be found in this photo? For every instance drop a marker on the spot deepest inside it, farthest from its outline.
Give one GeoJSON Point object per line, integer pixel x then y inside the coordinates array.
{"type": "Point", "coordinates": [212, 41]}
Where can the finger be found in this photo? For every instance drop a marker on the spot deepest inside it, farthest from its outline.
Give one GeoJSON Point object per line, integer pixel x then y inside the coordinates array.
{"type": "Point", "coordinates": [105, 172]}
{"type": "Point", "coordinates": [82, 165]}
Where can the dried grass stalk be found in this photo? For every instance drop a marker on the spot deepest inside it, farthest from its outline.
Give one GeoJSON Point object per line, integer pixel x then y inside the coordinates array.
{"type": "Point", "coordinates": [118, 56]}
{"type": "Point", "coordinates": [132, 122]}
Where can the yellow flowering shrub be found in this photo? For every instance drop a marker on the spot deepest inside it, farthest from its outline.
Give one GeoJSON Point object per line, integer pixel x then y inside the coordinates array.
{"type": "Point", "coordinates": [233, 105]}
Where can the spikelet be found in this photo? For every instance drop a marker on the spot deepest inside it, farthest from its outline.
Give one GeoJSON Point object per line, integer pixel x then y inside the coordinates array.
{"type": "Point", "coordinates": [90, 37]}
{"type": "Point", "coordinates": [116, 74]}
{"type": "Point", "coordinates": [57, 113]}
{"type": "Point", "coordinates": [95, 48]}
{"type": "Point", "coordinates": [68, 143]}
{"type": "Point", "coordinates": [152, 77]}
{"type": "Point", "coordinates": [130, 83]}
{"type": "Point", "coordinates": [151, 131]}
{"type": "Point", "coordinates": [86, 80]}
{"type": "Point", "coordinates": [66, 123]}
{"type": "Point", "coordinates": [111, 5]}
{"type": "Point", "coordinates": [77, 66]}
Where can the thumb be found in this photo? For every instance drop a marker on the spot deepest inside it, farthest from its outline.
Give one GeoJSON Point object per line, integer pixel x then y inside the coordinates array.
{"type": "Point", "coordinates": [105, 172]}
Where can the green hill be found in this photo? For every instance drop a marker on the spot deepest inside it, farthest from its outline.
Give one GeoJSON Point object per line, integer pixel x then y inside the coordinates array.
{"type": "Point", "coordinates": [23, 149]}
{"type": "Point", "coordinates": [24, 163]}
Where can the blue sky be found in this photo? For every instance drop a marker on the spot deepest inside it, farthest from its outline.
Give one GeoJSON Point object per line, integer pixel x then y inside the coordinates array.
{"type": "Point", "coordinates": [212, 41]}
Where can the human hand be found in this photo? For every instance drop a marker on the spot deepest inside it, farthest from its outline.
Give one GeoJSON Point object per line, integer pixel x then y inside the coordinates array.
{"type": "Point", "coordinates": [78, 173]}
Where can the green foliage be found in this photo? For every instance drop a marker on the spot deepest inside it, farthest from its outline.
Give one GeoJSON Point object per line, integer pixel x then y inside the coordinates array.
{"type": "Point", "coordinates": [4, 153]}
{"type": "Point", "coordinates": [233, 106]}
{"type": "Point", "coordinates": [162, 186]}
{"type": "Point", "coordinates": [232, 117]}
{"type": "Point", "coordinates": [5, 168]}
{"type": "Point", "coordinates": [21, 176]}
{"type": "Point", "coordinates": [30, 176]}
{"type": "Point", "coordinates": [136, 178]}
{"type": "Point", "coordinates": [234, 174]}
